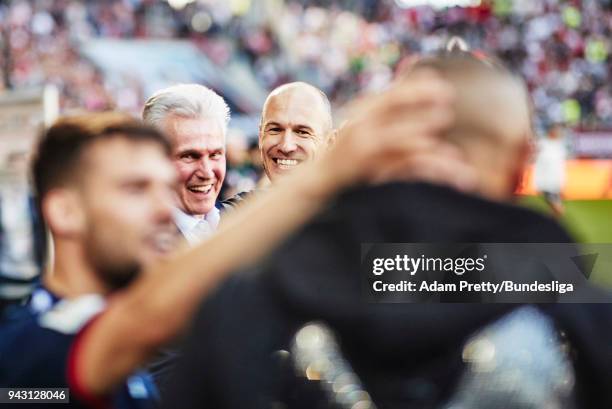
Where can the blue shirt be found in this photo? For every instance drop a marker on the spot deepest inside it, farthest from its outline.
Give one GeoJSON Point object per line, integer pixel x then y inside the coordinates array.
{"type": "Point", "coordinates": [39, 345]}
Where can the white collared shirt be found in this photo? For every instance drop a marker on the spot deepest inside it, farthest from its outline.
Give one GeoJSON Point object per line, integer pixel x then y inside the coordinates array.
{"type": "Point", "coordinates": [196, 229]}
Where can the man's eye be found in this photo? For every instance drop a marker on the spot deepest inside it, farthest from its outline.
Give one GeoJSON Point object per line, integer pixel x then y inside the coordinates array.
{"type": "Point", "coordinates": [189, 156]}
{"type": "Point", "coordinates": [136, 187]}
{"type": "Point", "coordinates": [216, 155]}
{"type": "Point", "coordinates": [274, 130]}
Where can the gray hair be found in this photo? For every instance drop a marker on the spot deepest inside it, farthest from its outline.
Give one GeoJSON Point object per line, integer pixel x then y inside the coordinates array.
{"type": "Point", "coordinates": [186, 100]}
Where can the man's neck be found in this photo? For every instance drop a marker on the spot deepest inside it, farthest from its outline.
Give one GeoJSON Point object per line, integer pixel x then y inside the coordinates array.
{"type": "Point", "coordinates": [71, 275]}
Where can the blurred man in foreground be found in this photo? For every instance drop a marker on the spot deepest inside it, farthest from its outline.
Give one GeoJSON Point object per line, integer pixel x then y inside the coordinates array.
{"type": "Point", "coordinates": [195, 119]}
{"type": "Point", "coordinates": [104, 186]}
{"type": "Point", "coordinates": [264, 353]}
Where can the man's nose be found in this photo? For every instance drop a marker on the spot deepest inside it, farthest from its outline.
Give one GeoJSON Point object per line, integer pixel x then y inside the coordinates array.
{"type": "Point", "coordinates": [287, 143]}
{"type": "Point", "coordinates": [205, 170]}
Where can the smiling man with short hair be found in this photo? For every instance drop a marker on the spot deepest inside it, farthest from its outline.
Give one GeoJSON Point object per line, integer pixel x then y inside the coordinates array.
{"type": "Point", "coordinates": [195, 119]}
{"type": "Point", "coordinates": [296, 122]}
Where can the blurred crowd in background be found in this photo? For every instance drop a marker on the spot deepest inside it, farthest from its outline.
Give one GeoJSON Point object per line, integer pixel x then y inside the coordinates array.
{"type": "Point", "coordinates": [561, 47]}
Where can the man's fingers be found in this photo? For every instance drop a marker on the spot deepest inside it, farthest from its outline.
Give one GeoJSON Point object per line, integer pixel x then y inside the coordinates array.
{"type": "Point", "coordinates": [374, 145]}
{"type": "Point", "coordinates": [399, 103]}
{"type": "Point", "coordinates": [394, 128]}
{"type": "Point", "coordinates": [435, 90]}
{"type": "Point", "coordinates": [411, 94]}
{"type": "Point", "coordinates": [434, 118]}
{"type": "Point", "coordinates": [401, 123]}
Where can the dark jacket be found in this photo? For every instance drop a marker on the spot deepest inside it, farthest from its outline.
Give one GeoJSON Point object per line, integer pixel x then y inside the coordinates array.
{"type": "Point", "coordinates": [407, 355]}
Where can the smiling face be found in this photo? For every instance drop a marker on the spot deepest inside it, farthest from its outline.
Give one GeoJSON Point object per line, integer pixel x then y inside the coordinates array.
{"type": "Point", "coordinates": [295, 125]}
{"type": "Point", "coordinates": [199, 157]}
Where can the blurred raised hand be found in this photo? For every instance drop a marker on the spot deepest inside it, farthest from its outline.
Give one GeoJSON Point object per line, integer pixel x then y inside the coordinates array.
{"type": "Point", "coordinates": [397, 136]}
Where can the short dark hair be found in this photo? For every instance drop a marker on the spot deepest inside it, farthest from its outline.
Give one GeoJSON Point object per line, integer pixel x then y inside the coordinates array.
{"type": "Point", "coordinates": [61, 148]}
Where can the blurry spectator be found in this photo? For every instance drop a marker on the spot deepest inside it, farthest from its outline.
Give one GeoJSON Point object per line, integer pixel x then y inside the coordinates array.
{"type": "Point", "coordinates": [562, 49]}
{"type": "Point", "coordinates": [550, 169]}
{"type": "Point", "coordinates": [22, 236]}
{"type": "Point", "coordinates": [255, 158]}
{"type": "Point", "coordinates": [242, 175]}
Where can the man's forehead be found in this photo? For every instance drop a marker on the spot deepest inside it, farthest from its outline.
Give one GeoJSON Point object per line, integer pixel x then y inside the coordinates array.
{"type": "Point", "coordinates": [296, 107]}
{"type": "Point", "coordinates": [192, 131]}
{"type": "Point", "coordinates": [119, 158]}
{"type": "Point", "coordinates": [199, 142]}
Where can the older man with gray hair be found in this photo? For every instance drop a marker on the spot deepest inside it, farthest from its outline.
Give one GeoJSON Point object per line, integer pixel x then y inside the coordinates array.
{"type": "Point", "coordinates": [195, 118]}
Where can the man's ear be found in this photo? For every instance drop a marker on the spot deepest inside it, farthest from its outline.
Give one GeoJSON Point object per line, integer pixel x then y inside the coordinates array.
{"type": "Point", "coordinates": [526, 151]}
{"type": "Point", "coordinates": [63, 211]}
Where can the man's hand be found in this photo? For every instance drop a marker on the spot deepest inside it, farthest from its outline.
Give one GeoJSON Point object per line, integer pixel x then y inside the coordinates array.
{"type": "Point", "coordinates": [396, 136]}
